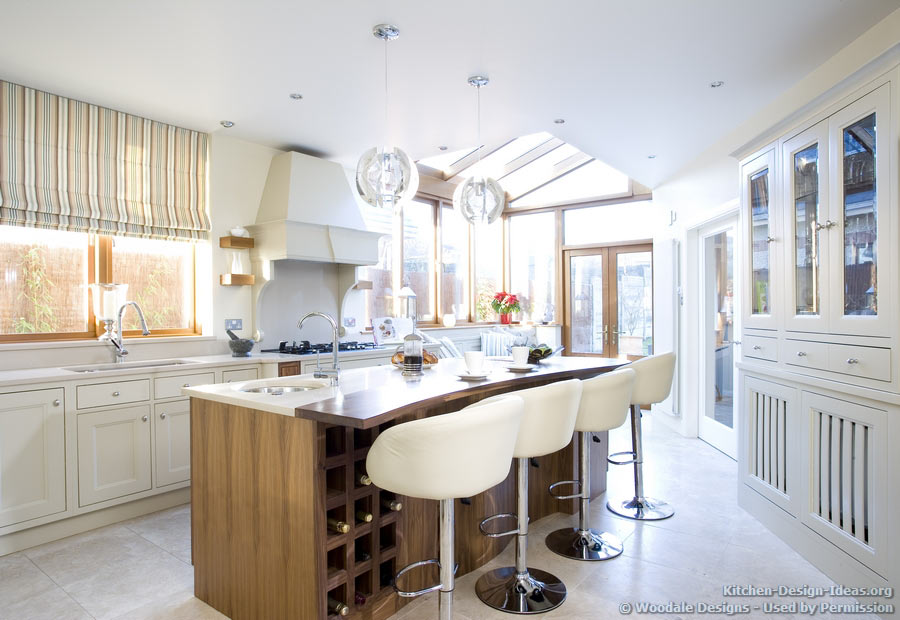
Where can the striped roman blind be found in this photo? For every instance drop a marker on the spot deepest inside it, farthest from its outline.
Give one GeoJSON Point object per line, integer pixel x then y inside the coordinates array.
{"type": "Point", "coordinates": [69, 165]}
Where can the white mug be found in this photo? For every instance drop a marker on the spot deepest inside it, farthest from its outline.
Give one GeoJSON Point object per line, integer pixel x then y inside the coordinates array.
{"type": "Point", "coordinates": [474, 362]}
{"type": "Point", "coordinates": [520, 355]}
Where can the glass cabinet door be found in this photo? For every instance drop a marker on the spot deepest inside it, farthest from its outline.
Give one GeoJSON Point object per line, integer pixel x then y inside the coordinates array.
{"type": "Point", "coordinates": [806, 203]}
{"type": "Point", "coordinates": [757, 181]}
{"type": "Point", "coordinates": [859, 215]}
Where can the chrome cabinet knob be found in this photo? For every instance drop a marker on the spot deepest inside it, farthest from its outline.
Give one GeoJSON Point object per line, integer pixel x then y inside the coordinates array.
{"type": "Point", "coordinates": [770, 239]}
{"type": "Point", "coordinates": [737, 342]}
{"type": "Point", "coordinates": [801, 353]}
{"type": "Point", "coordinates": [144, 418]}
{"type": "Point", "coordinates": [186, 385]}
{"type": "Point", "coordinates": [162, 416]}
{"type": "Point", "coordinates": [756, 347]}
{"type": "Point", "coordinates": [852, 360]}
{"type": "Point", "coordinates": [56, 403]}
{"type": "Point", "coordinates": [115, 393]}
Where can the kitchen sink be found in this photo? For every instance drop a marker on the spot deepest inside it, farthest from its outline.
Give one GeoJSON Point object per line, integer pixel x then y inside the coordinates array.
{"type": "Point", "coordinates": [278, 390]}
{"type": "Point", "coordinates": [128, 365]}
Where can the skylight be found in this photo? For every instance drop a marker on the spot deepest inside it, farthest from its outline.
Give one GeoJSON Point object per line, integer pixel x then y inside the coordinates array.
{"type": "Point", "coordinates": [592, 180]}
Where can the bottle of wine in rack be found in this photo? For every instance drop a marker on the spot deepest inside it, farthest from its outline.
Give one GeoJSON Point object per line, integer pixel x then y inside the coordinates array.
{"type": "Point", "coordinates": [337, 607]}
{"type": "Point", "coordinates": [362, 556]}
{"type": "Point", "coordinates": [339, 527]}
{"type": "Point", "coordinates": [362, 478]}
{"type": "Point", "coordinates": [359, 598]}
{"type": "Point", "coordinates": [364, 517]}
{"type": "Point", "coordinates": [394, 505]}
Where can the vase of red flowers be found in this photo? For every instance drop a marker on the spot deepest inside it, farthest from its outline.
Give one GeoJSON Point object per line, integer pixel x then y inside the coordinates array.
{"type": "Point", "coordinates": [504, 304]}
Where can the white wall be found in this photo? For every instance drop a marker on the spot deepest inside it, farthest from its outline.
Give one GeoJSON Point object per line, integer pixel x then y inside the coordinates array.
{"type": "Point", "coordinates": [708, 187]}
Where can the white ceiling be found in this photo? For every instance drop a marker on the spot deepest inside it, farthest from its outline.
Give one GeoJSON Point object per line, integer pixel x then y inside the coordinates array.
{"type": "Point", "coordinates": [630, 78]}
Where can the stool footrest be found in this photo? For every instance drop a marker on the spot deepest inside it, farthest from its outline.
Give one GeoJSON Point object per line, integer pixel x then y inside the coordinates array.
{"type": "Point", "coordinates": [553, 486]}
{"type": "Point", "coordinates": [408, 568]}
{"type": "Point", "coordinates": [505, 515]}
{"type": "Point", "coordinates": [613, 460]}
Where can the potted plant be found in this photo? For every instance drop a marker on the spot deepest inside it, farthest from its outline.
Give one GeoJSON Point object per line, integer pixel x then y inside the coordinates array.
{"type": "Point", "coordinates": [504, 303]}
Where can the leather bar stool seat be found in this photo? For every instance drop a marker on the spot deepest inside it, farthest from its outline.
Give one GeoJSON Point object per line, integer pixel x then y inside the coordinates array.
{"type": "Point", "coordinates": [652, 384]}
{"type": "Point", "coordinates": [443, 458]}
{"type": "Point", "coordinates": [547, 426]}
{"type": "Point", "coordinates": [604, 406]}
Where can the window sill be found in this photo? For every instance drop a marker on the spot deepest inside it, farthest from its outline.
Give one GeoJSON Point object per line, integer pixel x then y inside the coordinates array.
{"type": "Point", "coordinates": [93, 342]}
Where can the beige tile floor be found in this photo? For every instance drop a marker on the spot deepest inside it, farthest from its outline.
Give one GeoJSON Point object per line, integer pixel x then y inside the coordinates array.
{"type": "Point", "coordinates": [140, 569]}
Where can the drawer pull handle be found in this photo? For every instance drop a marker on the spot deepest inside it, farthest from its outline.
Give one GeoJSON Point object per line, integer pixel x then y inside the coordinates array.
{"type": "Point", "coordinates": [756, 347]}
{"type": "Point", "coordinates": [852, 360]}
{"type": "Point", "coordinates": [801, 353]}
{"type": "Point", "coordinates": [144, 418]}
{"type": "Point", "coordinates": [115, 393]}
{"type": "Point", "coordinates": [162, 416]}
{"type": "Point", "coordinates": [56, 403]}
{"type": "Point", "coordinates": [186, 385]}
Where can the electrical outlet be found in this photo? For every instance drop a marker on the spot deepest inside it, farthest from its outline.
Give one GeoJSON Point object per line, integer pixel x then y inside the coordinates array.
{"type": "Point", "coordinates": [349, 321]}
{"type": "Point", "coordinates": [234, 324]}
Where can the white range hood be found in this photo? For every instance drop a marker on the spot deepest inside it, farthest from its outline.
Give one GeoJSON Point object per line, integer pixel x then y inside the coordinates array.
{"type": "Point", "coordinates": [308, 212]}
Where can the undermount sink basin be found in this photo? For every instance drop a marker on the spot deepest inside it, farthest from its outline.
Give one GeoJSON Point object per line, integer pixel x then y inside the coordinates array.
{"type": "Point", "coordinates": [128, 365]}
{"type": "Point", "coordinates": [278, 390]}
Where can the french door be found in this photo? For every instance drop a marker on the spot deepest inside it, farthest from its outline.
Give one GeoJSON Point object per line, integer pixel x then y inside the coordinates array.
{"type": "Point", "coordinates": [608, 295]}
{"type": "Point", "coordinates": [719, 324]}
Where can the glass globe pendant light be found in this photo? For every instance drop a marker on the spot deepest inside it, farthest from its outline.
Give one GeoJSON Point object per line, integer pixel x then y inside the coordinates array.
{"type": "Point", "coordinates": [385, 175]}
{"type": "Point", "coordinates": [479, 199]}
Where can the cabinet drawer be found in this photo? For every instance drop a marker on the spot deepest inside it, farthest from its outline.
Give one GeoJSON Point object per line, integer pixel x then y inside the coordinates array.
{"type": "Point", "coordinates": [247, 374]}
{"type": "Point", "coordinates": [761, 348]}
{"type": "Point", "coordinates": [115, 393]}
{"type": "Point", "coordinates": [806, 354]}
{"type": "Point", "coordinates": [867, 362]}
{"type": "Point", "coordinates": [170, 387]}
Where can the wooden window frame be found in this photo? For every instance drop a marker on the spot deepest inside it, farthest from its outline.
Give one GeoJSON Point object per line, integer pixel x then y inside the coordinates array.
{"type": "Point", "coordinates": [100, 270]}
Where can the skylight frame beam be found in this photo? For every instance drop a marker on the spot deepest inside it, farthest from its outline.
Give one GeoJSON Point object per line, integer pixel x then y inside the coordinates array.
{"type": "Point", "coordinates": [472, 158]}
{"type": "Point", "coordinates": [568, 165]}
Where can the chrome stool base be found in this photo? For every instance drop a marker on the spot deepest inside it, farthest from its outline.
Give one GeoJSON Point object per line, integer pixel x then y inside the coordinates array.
{"type": "Point", "coordinates": [641, 509]}
{"type": "Point", "coordinates": [589, 545]}
{"type": "Point", "coordinates": [535, 592]}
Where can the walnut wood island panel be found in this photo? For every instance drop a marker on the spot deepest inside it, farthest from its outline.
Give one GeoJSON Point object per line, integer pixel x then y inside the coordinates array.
{"type": "Point", "coordinates": [268, 472]}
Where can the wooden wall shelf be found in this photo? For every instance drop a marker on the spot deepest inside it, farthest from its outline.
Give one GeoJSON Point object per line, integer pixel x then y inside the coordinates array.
{"type": "Point", "coordinates": [237, 243]}
{"type": "Point", "coordinates": [236, 279]}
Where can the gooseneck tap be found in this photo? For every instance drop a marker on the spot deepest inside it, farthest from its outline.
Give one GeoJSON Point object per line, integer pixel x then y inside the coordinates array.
{"type": "Point", "coordinates": [116, 338]}
{"type": "Point", "coordinates": [325, 373]}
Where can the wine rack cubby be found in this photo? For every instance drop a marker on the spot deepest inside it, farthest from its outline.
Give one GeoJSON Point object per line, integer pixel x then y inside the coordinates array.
{"type": "Point", "coordinates": [359, 563]}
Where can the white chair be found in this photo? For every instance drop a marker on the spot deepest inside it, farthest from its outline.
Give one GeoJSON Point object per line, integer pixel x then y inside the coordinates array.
{"type": "Point", "coordinates": [445, 457]}
{"type": "Point", "coordinates": [547, 426]}
{"type": "Point", "coordinates": [652, 384]}
{"type": "Point", "coordinates": [604, 406]}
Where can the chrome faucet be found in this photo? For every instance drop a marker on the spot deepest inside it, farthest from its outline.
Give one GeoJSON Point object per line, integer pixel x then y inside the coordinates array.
{"type": "Point", "coordinates": [326, 373]}
{"type": "Point", "coordinates": [116, 338]}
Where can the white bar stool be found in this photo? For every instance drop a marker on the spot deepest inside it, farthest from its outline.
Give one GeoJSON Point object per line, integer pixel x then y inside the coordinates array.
{"type": "Point", "coordinates": [604, 406]}
{"type": "Point", "coordinates": [547, 425]}
{"type": "Point", "coordinates": [652, 384]}
{"type": "Point", "coordinates": [445, 457]}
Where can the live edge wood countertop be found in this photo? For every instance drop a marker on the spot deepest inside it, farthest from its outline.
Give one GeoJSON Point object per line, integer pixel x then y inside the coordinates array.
{"type": "Point", "coordinates": [367, 397]}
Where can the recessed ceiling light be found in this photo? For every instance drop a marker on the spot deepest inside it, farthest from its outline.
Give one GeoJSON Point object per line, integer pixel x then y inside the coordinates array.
{"type": "Point", "coordinates": [717, 84]}
{"type": "Point", "coordinates": [651, 156]}
{"type": "Point", "coordinates": [226, 124]}
{"type": "Point", "coordinates": [296, 96]}
{"type": "Point", "coordinates": [442, 148]}
{"type": "Point", "coordinates": [559, 121]}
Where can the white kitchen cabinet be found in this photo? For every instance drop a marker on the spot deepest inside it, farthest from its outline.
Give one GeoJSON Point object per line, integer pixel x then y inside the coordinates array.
{"type": "Point", "coordinates": [839, 276]}
{"type": "Point", "coordinates": [762, 232]}
{"type": "Point", "coordinates": [113, 453]}
{"type": "Point", "coordinates": [32, 455]}
{"type": "Point", "coordinates": [173, 442]}
{"type": "Point", "coordinates": [241, 374]}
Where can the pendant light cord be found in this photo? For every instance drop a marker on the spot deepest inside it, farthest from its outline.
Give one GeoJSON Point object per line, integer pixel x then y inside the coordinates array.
{"type": "Point", "coordinates": [478, 124]}
{"type": "Point", "coordinates": [385, 130]}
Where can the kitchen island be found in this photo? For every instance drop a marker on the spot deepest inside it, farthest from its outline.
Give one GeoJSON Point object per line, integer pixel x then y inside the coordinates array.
{"type": "Point", "coordinates": [283, 522]}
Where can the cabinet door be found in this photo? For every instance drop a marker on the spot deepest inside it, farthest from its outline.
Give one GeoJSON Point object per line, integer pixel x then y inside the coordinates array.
{"type": "Point", "coordinates": [113, 453]}
{"type": "Point", "coordinates": [860, 264]}
{"type": "Point", "coordinates": [805, 163]}
{"type": "Point", "coordinates": [32, 455]}
{"type": "Point", "coordinates": [845, 472]}
{"type": "Point", "coordinates": [173, 442]}
{"type": "Point", "coordinates": [763, 239]}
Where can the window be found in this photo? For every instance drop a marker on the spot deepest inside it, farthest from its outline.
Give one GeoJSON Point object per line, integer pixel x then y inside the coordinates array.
{"type": "Point", "coordinates": [419, 255]}
{"type": "Point", "coordinates": [532, 264]}
{"type": "Point", "coordinates": [454, 264]}
{"type": "Point", "coordinates": [47, 273]}
{"type": "Point", "coordinates": [488, 259]}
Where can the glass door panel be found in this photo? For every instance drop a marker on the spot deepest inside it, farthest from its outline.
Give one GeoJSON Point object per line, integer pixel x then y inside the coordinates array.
{"type": "Point", "coordinates": [586, 299]}
{"type": "Point", "coordinates": [860, 213]}
{"type": "Point", "coordinates": [806, 234]}
{"type": "Point", "coordinates": [761, 233]}
{"type": "Point", "coordinates": [633, 327]}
